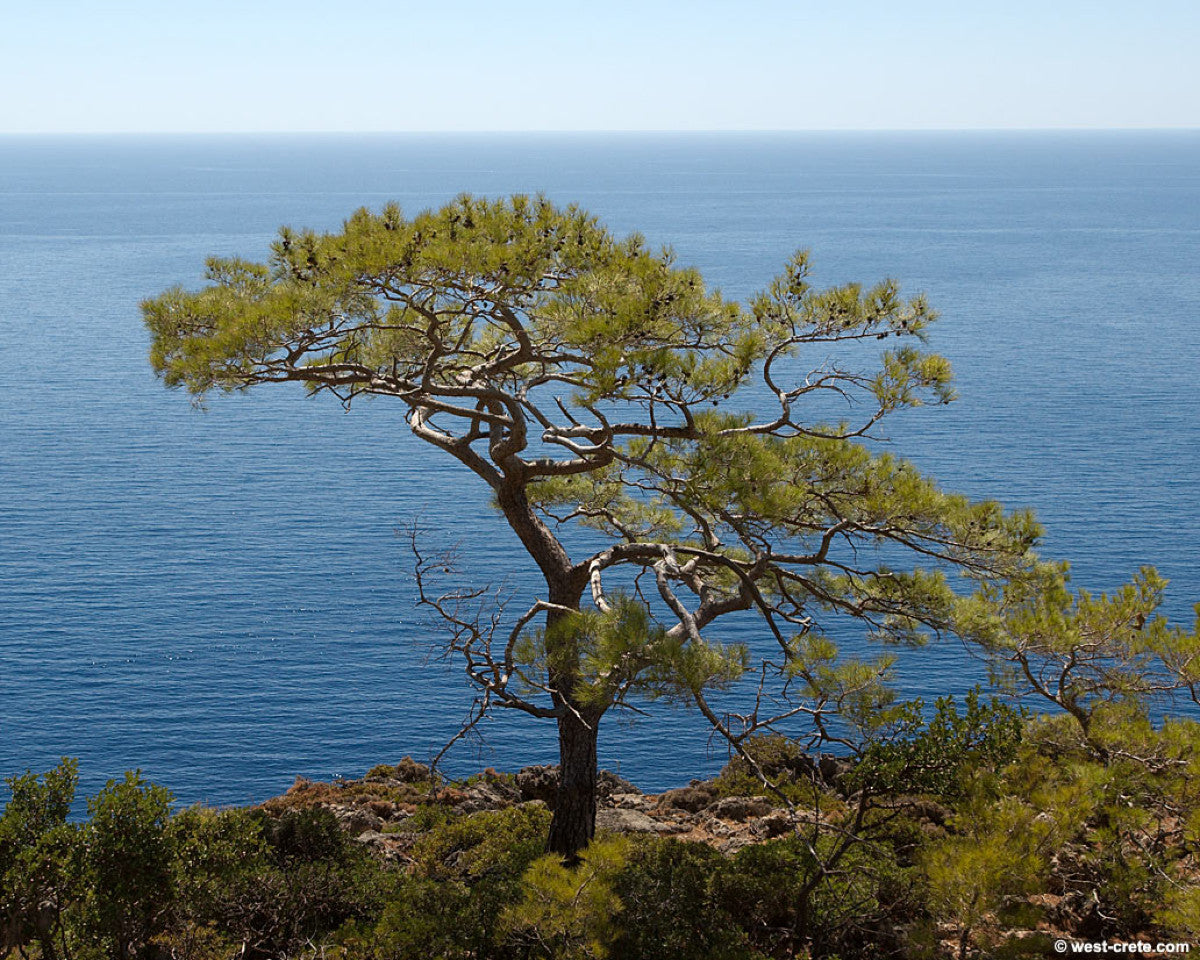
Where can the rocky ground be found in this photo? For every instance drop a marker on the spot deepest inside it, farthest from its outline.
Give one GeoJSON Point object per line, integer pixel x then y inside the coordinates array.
{"type": "Point", "coordinates": [380, 810]}
{"type": "Point", "coordinates": [376, 808]}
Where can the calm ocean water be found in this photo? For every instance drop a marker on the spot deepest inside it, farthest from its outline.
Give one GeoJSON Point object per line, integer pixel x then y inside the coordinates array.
{"type": "Point", "coordinates": [219, 597]}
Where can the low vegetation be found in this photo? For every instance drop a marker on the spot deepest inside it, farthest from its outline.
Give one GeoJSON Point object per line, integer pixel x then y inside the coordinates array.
{"type": "Point", "coordinates": [948, 830]}
{"type": "Point", "coordinates": [980, 831]}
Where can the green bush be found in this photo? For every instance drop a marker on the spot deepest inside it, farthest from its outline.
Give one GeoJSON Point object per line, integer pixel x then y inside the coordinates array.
{"type": "Point", "coordinates": [214, 853]}
{"type": "Point", "coordinates": [467, 870]}
{"type": "Point", "coordinates": [429, 816]}
{"type": "Point", "coordinates": [277, 912]}
{"type": "Point", "coordinates": [492, 843]}
{"type": "Point", "coordinates": [39, 860]}
{"type": "Point", "coordinates": [570, 912]}
{"type": "Point", "coordinates": [127, 864]}
{"type": "Point", "coordinates": [304, 835]}
{"type": "Point", "coordinates": [785, 763]}
{"type": "Point", "coordinates": [308, 881]}
{"type": "Point", "coordinates": [789, 901]}
{"type": "Point", "coordinates": [670, 905]}
{"type": "Point", "coordinates": [941, 756]}
{"type": "Point", "coordinates": [424, 919]}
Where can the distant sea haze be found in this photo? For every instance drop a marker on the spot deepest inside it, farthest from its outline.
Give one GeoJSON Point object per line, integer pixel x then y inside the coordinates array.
{"type": "Point", "coordinates": [219, 597]}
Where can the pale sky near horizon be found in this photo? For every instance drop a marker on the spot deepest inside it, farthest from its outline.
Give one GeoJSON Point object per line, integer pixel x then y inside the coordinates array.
{"type": "Point", "coordinates": [369, 65]}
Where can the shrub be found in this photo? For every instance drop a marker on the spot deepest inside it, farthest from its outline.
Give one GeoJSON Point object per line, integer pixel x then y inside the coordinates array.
{"type": "Point", "coordinates": [429, 816]}
{"type": "Point", "coordinates": [790, 901]}
{"type": "Point", "coordinates": [785, 763]}
{"type": "Point", "coordinates": [1001, 849]}
{"type": "Point", "coordinates": [304, 835]}
{"type": "Point", "coordinates": [941, 756]}
{"type": "Point", "coordinates": [570, 912]}
{"type": "Point", "coordinates": [214, 854]}
{"type": "Point", "coordinates": [277, 912]}
{"type": "Point", "coordinates": [670, 907]}
{"type": "Point", "coordinates": [467, 870]}
{"type": "Point", "coordinates": [492, 843]}
{"type": "Point", "coordinates": [303, 879]}
{"type": "Point", "coordinates": [427, 918]}
{"type": "Point", "coordinates": [127, 861]}
{"type": "Point", "coordinates": [39, 853]}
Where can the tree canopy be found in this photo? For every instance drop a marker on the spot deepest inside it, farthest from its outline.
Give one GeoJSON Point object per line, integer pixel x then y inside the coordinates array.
{"type": "Point", "coordinates": [592, 381]}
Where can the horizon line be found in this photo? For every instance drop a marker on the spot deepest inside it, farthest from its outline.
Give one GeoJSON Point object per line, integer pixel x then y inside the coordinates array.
{"type": "Point", "coordinates": [587, 131]}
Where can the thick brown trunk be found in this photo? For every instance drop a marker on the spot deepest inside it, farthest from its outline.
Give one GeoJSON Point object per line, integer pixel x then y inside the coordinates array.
{"type": "Point", "coordinates": [574, 822]}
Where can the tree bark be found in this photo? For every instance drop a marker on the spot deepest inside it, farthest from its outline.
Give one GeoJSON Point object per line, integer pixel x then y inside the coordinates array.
{"type": "Point", "coordinates": [574, 822]}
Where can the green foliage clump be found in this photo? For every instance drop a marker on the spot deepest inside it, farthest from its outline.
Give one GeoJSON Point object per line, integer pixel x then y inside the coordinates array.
{"type": "Point", "coordinates": [39, 859]}
{"type": "Point", "coordinates": [307, 835]}
{"type": "Point", "coordinates": [570, 912]}
{"type": "Point", "coordinates": [672, 906]}
{"type": "Point", "coordinates": [310, 881]}
{"type": "Point", "coordinates": [466, 871]}
{"type": "Point", "coordinates": [126, 862]}
{"type": "Point", "coordinates": [430, 816]}
{"type": "Point", "coordinates": [997, 850]}
{"type": "Point", "coordinates": [789, 898]}
{"type": "Point", "coordinates": [214, 854]}
{"type": "Point", "coordinates": [655, 664]}
{"type": "Point", "coordinates": [941, 755]}
{"type": "Point", "coordinates": [791, 770]}
{"type": "Point", "coordinates": [138, 881]}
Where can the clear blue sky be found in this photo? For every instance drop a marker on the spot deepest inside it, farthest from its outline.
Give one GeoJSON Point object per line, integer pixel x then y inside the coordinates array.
{"type": "Point", "coordinates": [350, 65]}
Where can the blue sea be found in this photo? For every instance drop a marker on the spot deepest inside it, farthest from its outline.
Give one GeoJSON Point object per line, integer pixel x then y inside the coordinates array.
{"type": "Point", "coordinates": [219, 596]}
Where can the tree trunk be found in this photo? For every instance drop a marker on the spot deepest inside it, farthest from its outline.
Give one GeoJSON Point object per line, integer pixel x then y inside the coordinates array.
{"type": "Point", "coordinates": [574, 822]}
